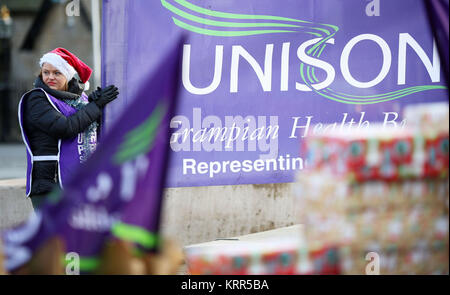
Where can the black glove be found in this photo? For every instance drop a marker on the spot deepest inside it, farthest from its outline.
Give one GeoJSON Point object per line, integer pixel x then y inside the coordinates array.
{"type": "Point", "coordinates": [103, 96]}
{"type": "Point", "coordinates": [94, 95]}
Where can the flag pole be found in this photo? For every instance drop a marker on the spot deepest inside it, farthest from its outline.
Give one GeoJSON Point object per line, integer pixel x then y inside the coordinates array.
{"type": "Point", "coordinates": [96, 39]}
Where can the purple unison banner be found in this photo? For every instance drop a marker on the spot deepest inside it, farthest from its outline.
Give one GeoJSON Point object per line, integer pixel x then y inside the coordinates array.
{"type": "Point", "coordinates": [117, 192]}
{"type": "Point", "coordinates": [257, 75]}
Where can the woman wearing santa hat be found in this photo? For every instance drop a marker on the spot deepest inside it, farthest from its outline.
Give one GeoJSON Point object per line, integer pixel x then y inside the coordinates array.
{"type": "Point", "coordinates": [59, 121]}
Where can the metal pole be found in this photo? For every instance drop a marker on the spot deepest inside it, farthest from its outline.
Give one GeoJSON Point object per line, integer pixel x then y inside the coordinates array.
{"type": "Point", "coordinates": [96, 40]}
{"type": "Point", "coordinates": [5, 72]}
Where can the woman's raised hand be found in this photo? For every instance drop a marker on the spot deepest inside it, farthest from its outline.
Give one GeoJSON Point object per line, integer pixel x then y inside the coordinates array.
{"type": "Point", "coordinates": [103, 96]}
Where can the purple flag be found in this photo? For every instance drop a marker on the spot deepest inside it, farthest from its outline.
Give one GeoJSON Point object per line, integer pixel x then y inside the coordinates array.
{"type": "Point", "coordinates": [438, 18]}
{"type": "Point", "coordinates": [122, 181]}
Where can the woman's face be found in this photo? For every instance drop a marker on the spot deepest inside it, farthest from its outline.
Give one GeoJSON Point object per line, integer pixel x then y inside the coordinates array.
{"type": "Point", "coordinates": [53, 78]}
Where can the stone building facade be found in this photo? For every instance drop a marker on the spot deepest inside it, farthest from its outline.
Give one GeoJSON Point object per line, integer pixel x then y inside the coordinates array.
{"type": "Point", "coordinates": [57, 29]}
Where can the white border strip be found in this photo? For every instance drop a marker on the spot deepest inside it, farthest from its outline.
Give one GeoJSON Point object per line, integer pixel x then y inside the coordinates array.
{"type": "Point", "coordinates": [37, 158]}
{"type": "Point", "coordinates": [45, 158]}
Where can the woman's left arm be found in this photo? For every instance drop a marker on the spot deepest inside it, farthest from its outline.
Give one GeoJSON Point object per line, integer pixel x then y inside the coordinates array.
{"type": "Point", "coordinates": [44, 117]}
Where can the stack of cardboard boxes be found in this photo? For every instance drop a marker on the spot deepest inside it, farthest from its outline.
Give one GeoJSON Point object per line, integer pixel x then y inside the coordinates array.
{"type": "Point", "coordinates": [381, 190]}
{"type": "Point", "coordinates": [270, 256]}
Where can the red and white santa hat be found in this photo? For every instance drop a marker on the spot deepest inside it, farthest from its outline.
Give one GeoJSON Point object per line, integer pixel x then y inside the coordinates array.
{"type": "Point", "coordinates": [68, 64]}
